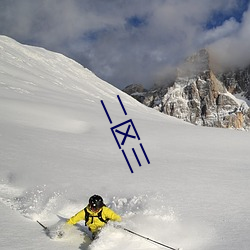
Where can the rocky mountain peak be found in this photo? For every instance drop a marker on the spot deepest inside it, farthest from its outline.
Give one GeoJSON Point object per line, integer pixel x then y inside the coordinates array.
{"type": "Point", "coordinates": [196, 64]}
{"type": "Point", "coordinates": [200, 96]}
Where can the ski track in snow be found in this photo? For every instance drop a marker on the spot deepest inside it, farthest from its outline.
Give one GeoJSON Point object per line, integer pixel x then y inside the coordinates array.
{"type": "Point", "coordinates": [43, 117]}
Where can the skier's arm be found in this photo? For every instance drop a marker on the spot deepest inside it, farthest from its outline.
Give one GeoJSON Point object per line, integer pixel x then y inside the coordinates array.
{"type": "Point", "coordinates": [77, 217]}
{"type": "Point", "coordinates": [110, 214]}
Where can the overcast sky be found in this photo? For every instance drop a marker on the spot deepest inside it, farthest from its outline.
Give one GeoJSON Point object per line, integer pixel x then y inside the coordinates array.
{"type": "Point", "coordinates": [131, 41]}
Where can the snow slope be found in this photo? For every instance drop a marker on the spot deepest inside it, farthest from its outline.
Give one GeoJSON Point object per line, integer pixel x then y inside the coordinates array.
{"type": "Point", "coordinates": [57, 149]}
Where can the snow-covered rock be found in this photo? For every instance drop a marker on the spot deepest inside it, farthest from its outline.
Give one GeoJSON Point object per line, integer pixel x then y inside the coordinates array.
{"type": "Point", "coordinates": [199, 97]}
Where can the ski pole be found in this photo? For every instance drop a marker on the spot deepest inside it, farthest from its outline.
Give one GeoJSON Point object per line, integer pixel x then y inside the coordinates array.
{"type": "Point", "coordinates": [45, 228]}
{"type": "Point", "coordinates": [146, 238]}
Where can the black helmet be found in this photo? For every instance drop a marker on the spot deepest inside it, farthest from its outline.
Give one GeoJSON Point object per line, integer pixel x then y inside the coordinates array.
{"type": "Point", "coordinates": [95, 202]}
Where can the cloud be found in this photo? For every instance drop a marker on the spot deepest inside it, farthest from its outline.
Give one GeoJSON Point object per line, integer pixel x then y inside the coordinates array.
{"type": "Point", "coordinates": [233, 49]}
{"type": "Point", "coordinates": [228, 28]}
{"type": "Point", "coordinates": [126, 42]}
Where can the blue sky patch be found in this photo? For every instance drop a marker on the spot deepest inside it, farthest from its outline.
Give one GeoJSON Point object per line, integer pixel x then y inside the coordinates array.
{"type": "Point", "coordinates": [219, 17]}
{"type": "Point", "coordinates": [136, 21]}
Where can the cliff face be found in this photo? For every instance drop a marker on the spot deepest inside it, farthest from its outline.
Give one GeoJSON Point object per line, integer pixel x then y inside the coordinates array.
{"type": "Point", "coordinates": [201, 97]}
{"type": "Point", "coordinates": [237, 81]}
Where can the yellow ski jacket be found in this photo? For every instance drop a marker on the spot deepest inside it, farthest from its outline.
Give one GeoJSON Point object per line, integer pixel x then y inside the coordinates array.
{"type": "Point", "coordinates": [94, 223]}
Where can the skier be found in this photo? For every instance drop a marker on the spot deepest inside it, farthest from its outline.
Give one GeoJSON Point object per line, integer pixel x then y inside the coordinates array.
{"type": "Point", "coordinates": [95, 214]}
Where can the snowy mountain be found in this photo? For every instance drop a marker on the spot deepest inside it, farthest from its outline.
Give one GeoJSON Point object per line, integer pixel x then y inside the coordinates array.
{"type": "Point", "coordinates": [57, 149]}
{"type": "Point", "coordinates": [237, 81]}
{"type": "Point", "coordinates": [201, 95]}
